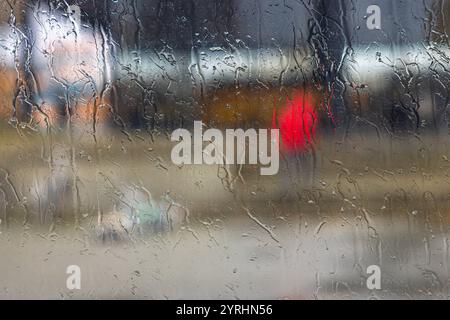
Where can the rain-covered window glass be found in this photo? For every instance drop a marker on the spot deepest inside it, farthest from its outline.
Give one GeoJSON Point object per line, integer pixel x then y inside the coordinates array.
{"type": "Point", "coordinates": [225, 149]}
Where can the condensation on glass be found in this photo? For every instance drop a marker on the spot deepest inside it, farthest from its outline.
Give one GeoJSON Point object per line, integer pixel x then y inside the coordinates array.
{"type": "Point", "coordinates": [91, 92]}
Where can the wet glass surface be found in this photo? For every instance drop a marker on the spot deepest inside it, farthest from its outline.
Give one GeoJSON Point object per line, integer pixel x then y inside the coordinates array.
{"type": "Point", "coordinates": [92, 92]}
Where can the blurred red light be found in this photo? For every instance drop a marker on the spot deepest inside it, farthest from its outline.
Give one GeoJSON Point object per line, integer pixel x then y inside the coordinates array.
{"type": "Point", "coordinates": [297, 123]}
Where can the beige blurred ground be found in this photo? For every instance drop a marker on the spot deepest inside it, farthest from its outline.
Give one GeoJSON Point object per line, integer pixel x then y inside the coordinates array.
{"type": "Point", "coordinates": [383, 202]}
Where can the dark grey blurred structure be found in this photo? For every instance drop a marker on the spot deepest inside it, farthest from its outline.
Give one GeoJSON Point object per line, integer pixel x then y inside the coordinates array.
{"type": "Point", "coordinates": [160, 62]}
